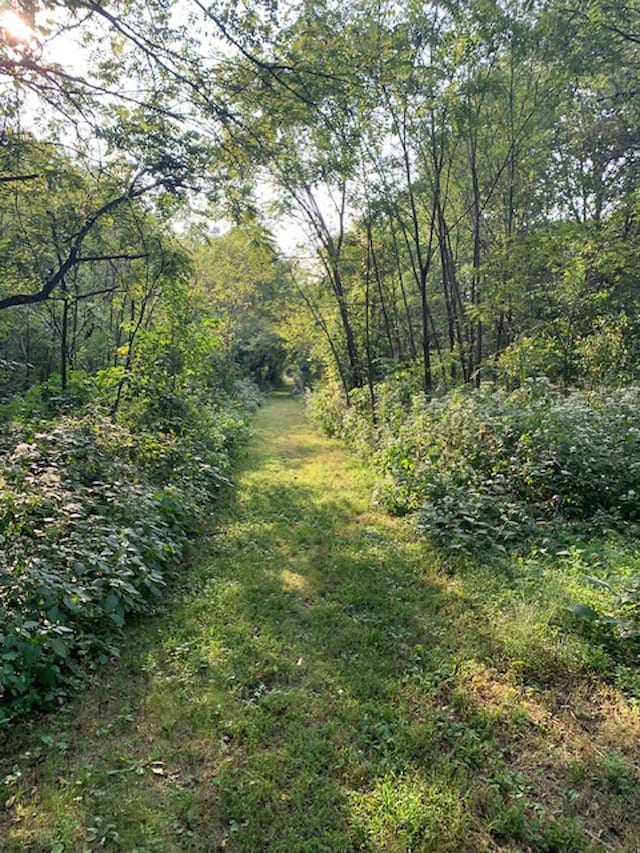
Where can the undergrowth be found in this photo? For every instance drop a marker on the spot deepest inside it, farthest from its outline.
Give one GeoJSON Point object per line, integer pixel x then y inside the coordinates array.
{"type": "Point", "coordinates": [489, 473]}
{"type": "Point", "coordinates": [94, 514]}
{"type": "Point", "coordinates": [486, 468]}
{"type": "Point", "coordinates": [321, 680]}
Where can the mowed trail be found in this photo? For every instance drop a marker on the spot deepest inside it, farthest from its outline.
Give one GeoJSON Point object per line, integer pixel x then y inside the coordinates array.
{"type": "Point", "coordinates": [313, 684]}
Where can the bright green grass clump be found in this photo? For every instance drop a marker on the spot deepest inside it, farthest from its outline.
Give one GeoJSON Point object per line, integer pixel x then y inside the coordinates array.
{"type": "Point", "coordinates": [320, 682]}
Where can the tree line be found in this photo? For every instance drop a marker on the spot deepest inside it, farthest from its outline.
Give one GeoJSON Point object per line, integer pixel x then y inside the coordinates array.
{"type": "Point", "coordinates": [465, 174]}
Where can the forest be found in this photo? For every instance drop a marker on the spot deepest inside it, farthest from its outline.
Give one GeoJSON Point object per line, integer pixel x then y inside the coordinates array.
{"type": "Point", "coordinates": [319, 425]}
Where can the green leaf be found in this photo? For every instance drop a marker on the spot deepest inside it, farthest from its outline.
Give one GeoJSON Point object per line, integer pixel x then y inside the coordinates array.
{"type": "Point", "coordinates": [111, 603]}
{"type": "Point", "coordinates": [30, 652]}
{"type": "Point", "coordinates": [584, 612]}
{"type": "Point", "coordinates": [59, 647]}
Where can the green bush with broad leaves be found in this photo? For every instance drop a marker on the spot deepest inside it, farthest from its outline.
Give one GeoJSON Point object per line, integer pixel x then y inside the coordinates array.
{"type": "Point", "coordinates": [479, 469]}
{"type": "Point", "coordinates": [93, 517]}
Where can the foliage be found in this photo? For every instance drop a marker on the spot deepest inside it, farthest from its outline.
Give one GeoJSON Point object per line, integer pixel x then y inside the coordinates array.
{"type": "Point", "coordinates": [248, 393]}
{"type": "Point", "coordinates": [319, 680]}
{"type": "Point", "coordinates": [466, 177]}
{"type": "Point", "coordinates": [485, 156]}
{"type": "Point", "coordinates": [326, 408]}
{"type": "Point", "coordinates": [47, 399]}
{"type": "Point", "coordinates": [94, 517]}
{"type": "Point", "coordinates": [479, 469]}
{"type": "Point", "coordinates": [241, 273]}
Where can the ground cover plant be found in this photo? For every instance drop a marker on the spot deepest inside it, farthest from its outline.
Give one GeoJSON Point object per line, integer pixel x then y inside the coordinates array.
{"type": "Point", "coordinates": [478, 469]}
{"type": "Point", "coordinates": [321, 680]}
{"type": "Point", "coordinates": [531, 472]}
{"type": "Point", "coordinates": [94, 517]}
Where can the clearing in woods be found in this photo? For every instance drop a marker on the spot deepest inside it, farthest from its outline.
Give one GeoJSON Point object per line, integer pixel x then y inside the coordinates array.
{"type": "Point", "coordinates": [318, 682]}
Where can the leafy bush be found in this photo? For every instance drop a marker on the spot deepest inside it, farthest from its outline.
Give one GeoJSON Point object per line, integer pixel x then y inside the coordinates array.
{"type": "Point", "coordinates": [47, 399]}
{"type": "Point", "coordinates": [478, 468]}
{"type": "Point", "coordinates": [248, 393]}
{"type": "Point", "coordinates": [92, 517]}
{"type": "Point", "coordinates": [326, 408]}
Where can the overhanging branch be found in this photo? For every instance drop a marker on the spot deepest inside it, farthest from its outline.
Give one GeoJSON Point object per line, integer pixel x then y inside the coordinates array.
{"type": "Point", "coordinates": [73, 258]}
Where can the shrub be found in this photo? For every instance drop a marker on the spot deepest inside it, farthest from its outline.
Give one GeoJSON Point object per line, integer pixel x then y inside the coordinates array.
{"type": "Point", "coordinates": [47, 399]}
{"type": "Point", "coordinates": [478, 468]}
{"type": "Point", "coordinates": [248, 393]}
{"type": "Point", "coordinates": [93, 516]}
{"type": "Point", "coordinates": [326, 408]}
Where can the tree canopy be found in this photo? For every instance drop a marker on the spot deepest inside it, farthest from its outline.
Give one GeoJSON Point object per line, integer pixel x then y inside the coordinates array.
{"type": "Point", "coordinates": [461, 176]}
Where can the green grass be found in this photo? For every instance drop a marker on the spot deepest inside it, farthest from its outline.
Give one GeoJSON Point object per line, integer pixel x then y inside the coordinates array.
{"type": "Point", "coordinates": [321, 681]}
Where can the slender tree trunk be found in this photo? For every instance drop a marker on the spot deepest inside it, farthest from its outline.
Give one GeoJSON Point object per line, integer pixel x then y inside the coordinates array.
{"type": "Point", "coordinates": [476, 349]}
{"type": "Point", "coordinates": [355, 374]}
{"type": "Point", "coordinates": [413, 350]}
{"type": "Point", "coordinates": [367, 329]}
{"type": "Point", "coordinates": [322, 323]}
{"type": "Point", "coordinates": [73, 341]}
{"type": "Point", "coordinates": [379, 284]}
{"type": "Point", "coordinates": [27, 353]}
{"type": "Point", "coordinates": [330, 251]}
{"type": "Point", "coordinates": [426, 345]}
{"type": "Point", "coordinates": [64, 336]}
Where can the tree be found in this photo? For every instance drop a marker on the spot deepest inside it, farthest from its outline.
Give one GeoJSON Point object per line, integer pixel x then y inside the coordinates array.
{"type": "Point", "coordinates": [240, 274]}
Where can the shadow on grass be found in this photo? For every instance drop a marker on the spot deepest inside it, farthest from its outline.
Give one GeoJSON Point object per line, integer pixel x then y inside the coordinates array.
{"type": "Point", "coordinates": [313, 685]}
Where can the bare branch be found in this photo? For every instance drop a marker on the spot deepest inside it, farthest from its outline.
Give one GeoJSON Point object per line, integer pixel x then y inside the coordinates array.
{"type": "Point", "coordinates": [7, 179]}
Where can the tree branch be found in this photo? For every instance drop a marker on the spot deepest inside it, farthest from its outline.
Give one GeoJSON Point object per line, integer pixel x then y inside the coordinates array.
{"type": "Point", "coordinates": [124, 257]}
{"type": "Point", "coordinates": [72, 259]}
{"type": "Point", "coordinates": [6, 179]}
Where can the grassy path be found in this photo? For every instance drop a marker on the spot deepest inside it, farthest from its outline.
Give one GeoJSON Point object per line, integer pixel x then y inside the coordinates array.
{"type": "Point", "coordinates": [320, 684]}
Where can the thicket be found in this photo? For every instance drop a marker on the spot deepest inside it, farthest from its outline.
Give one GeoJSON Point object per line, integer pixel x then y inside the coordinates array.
{"type": "Point", "coordinates": [94, 516]}
{"type": "Point", "coordinates": [122, 404]}
{"type": "Point", "coordinates": [480, 469]}
{"type": "Point", "coordinates": [102, 479]}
